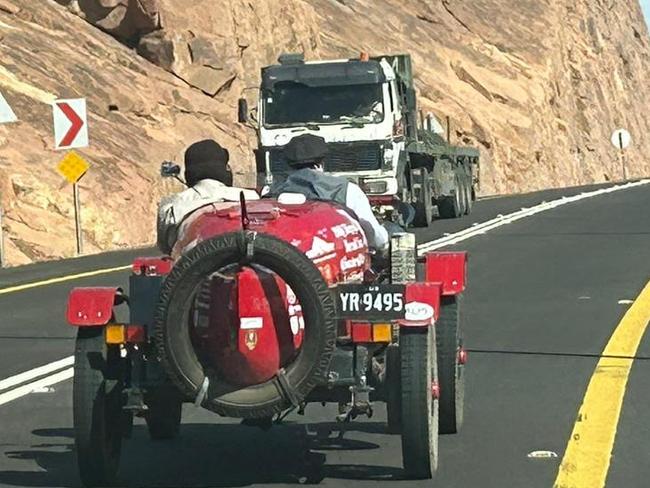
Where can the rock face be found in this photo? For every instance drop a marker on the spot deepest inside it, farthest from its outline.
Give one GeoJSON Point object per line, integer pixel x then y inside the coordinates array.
{"type": "Point", "coordinates": [538, 85]}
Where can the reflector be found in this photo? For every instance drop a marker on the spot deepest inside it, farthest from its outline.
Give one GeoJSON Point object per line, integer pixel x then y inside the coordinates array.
{"type": "Point", "coordinates": [382, 333]}
{"type": "Point", "coordinates": [115, 334]}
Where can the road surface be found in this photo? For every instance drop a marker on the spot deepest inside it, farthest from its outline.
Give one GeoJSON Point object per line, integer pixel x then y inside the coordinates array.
{"type": "Point", "coordinates": [546, 293]}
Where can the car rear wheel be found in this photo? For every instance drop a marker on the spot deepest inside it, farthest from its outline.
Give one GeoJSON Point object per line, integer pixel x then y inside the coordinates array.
{"type": "Point", "coordinates": [450, 369]}
{"type": "Point", "coordinates": [98, 416]}
{"type": "Point", "coordinates": [419, 406]}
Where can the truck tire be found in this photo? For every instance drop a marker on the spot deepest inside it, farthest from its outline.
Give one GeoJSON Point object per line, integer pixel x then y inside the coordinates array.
{"type": "Point", "coordinates": [450, 371]}
{"type": "Point", "coordinates": [97, 401]}
{"type": "Point", "coordinates": [450, 207]}
{"type": "Point", "coordinates": [469, 192]}
{"type": "Point", "coordinates": [292, 384]}
{"type": "Point", "coordinates": [419, 407]}
{"type": "Point", "coordinates": [393, 388]}
{"type": "Point", "coordinates": [164, 412]}
{"type": "Point", "coordinates": [423, 200]}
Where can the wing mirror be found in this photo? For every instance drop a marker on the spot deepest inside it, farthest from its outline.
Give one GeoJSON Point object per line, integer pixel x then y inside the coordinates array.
{"type": "Point", "coordinates": [242, 111]}
{"type": "Point", "coordinates": [169, 169]}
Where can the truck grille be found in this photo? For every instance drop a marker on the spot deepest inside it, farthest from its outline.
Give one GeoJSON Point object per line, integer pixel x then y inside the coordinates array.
{"type": "Point", "coordinates": [342, 157]}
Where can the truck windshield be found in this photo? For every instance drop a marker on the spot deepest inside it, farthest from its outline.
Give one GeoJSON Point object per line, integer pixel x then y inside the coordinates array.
{"type": "Point", "coordinates": [295, 104]}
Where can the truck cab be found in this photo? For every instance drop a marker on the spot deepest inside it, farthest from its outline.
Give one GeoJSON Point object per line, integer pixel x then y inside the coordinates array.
{"type": "Point", "coordinates": [355, 105]}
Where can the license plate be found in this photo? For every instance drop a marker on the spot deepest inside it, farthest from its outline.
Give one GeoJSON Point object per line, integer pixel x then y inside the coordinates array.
{"type": "Point", "coordinates": [379, 302]}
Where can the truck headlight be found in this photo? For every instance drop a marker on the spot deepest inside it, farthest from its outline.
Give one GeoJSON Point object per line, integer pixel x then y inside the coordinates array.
{"type": "Point", "coordinates": [374, 186]}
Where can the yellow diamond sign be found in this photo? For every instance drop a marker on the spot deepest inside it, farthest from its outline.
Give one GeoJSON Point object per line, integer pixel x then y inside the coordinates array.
{"type": "Point", "coordinates": [72, 167]}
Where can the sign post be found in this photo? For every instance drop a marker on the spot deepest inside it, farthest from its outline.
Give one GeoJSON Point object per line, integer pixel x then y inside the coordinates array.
{"type": "Point", "coordinates": [77, 218]}
{"type": "Point", "coordinates": [72, 167]}
{"type": "Point", "coordinates": [622, 139]}
{"type": "Point", "coordinates": [2, 241]}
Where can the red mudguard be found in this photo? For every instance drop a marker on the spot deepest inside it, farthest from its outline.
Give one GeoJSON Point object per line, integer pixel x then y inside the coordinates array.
{"type": "Point", "coordinates": [447, 268]}
{"type": "Point", "coordinates": [91, 307]}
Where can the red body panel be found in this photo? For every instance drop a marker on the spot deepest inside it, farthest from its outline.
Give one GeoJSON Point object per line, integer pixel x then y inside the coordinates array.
{"type": "Point", "coordinates": [323, 231]}
{"type": "Point", "coordinates": [89, 307]}
{"type": "Point", "coordinates": [152, 266]}
{"type": "Point", "coordinates": [447, 268]}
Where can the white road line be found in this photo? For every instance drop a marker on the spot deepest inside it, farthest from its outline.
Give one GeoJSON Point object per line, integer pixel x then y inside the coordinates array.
{"type": "Point", "coordinates": [21, 391]}
{"type": "Point", "coordinates": [36, 372]}
{"type": "Point", "coordinates": [484, 227]}
{"type": "Point", "coordinates": [455, 238]}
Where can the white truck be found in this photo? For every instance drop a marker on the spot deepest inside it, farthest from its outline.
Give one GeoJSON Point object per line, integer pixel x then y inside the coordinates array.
{"type": "Point", "coordinates": [366, 110]}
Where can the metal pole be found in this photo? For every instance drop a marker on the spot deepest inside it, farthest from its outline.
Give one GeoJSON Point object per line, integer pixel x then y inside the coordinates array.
{"type": "Point", "coordinates": [2, 241]}
{"type": "Point", "coordinates": [77, 219]}
{"type": "Point", "coordinates": [620, 144]}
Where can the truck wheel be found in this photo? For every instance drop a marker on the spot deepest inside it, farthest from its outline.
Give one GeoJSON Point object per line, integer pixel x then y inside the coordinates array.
{"type": "Point", "coordinates": [469, 195]}
{"type": "Point", "coordinates": [450, 207]}
{"type": "Point", "coordinates": [423, 201]}
{"type": "Point", "coordinates": [164, 414]}
{"type": "Point", "coordinates": [463, 195]}
{"type": "Point", "coordinates": [452, 379]}
{"type": "Point", "coordinates": [419, 407]}
{"type": "Point", "coordinates": [393, 388]}
{"type": "Point", "coordinates": [97, 401]}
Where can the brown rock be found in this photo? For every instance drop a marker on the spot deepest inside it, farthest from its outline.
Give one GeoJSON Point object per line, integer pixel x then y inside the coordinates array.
{"type": "Point", "coordinates": [7, 6]}
{"type": "Point", "coordinates": [209, 80]}
{"type": "Point", "coordinates": [538, 85]}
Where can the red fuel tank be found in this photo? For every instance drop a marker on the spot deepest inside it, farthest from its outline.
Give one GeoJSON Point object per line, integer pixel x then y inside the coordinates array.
{"type": "Point", "coordinates": [252, 325]}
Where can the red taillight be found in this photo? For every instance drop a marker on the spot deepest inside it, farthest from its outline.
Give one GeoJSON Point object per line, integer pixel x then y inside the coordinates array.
{"type": "Point", "coordinates": [381, 199]}
{"type": "Point", "coordinates": [361, 331]}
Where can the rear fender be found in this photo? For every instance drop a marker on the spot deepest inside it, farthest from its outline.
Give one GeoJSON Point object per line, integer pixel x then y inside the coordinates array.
{"type": "Point", "coordinates": [92, 307]}
{"type": "Point", "coordinates": [422, 304]}
{"type": "Point", "coordinates": [447, 268]}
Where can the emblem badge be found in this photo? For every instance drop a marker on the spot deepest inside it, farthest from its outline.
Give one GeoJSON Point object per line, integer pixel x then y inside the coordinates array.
{"type": "Point", "coordinates": [251, 339]}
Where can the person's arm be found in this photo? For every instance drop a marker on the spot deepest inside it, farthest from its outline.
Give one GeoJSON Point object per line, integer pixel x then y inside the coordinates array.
{"type": "Point", "coordinates": [165, 226]}
{"type": "Point", "coordinates": [357, 201]}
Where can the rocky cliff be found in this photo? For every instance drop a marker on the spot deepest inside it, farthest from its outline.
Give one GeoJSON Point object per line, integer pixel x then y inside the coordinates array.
{"type": "Point", "coordinates": [538, 85]}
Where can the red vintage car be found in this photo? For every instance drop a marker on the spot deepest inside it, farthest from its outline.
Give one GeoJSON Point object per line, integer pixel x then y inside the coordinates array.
{"type": "Point", "coordinates": [265, 307]}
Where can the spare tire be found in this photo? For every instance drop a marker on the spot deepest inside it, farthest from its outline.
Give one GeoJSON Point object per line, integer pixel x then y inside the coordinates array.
{"type": "Point", "coordinates": [171, 330]}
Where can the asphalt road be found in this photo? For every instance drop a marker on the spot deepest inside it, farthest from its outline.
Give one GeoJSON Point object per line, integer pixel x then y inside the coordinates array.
{"type": "Point", "coordinates": [543, 300]}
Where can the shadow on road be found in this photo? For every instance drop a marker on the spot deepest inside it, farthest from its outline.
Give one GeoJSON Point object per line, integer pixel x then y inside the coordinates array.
{"type": "Point", "coordinates": [210, 455]}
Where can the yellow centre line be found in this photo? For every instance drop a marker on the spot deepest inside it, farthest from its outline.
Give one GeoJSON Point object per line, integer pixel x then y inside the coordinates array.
{"type": "Point", "coordinates": [588, 453]}
{"type": "Point", "coordinates": [62, 279]}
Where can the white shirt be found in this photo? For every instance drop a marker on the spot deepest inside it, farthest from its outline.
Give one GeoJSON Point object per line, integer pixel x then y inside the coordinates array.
{"type": "Point", "coordinates": [173, 209]}
{"type": "Point", "coordinates": [357, 201]}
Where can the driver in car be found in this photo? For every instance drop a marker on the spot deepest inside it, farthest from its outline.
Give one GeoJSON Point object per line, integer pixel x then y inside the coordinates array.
{"type": "Point", "coordinates": [209, 180]}
{"type": "Point", "coordinates": [305, 155]}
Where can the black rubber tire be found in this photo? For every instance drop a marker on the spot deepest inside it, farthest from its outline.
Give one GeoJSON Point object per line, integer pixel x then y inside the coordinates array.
{"type": "Point", "coordinates": [97, 401]}
{"type": "Point", "coordinates": [452, 379]}
{"type": "Point", "coordinates": [449, 207]}
{"type": "Point", "coordinates": [423, 201]}
{"type": "Point", "coordinates": [469, 199]}
{"type": "Point", "coordinates": [393, 388]}
{"type": "Point", "coordinates": [164, 414]}
{"type": "Point", "coordinates": [419, 408]}
{"type": "Point", "coordinates": [463, 194]}
{"type": "Point", "coordinates": [177, 354]}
